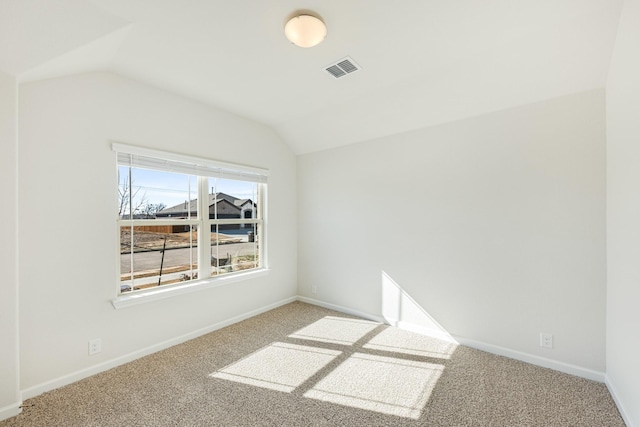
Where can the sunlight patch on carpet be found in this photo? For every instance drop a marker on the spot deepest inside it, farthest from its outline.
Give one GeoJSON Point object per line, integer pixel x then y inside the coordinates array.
{"type": "Point", "coordinates": [382, 384]}
{"type": "Point", "coordinates": [336, 330]}
{"type": "Point", "coordinates": [280, 366]}
{"type": "Point", "coordinates": [406, 342]}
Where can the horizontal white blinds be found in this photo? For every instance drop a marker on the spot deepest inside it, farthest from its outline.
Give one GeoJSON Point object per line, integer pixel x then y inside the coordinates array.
{"type": "Point", "coordinates": [139, 157]}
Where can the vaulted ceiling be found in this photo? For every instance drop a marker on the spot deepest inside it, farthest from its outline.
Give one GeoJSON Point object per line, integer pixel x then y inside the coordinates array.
{"type": "Point", "coordinates": [424, 62]}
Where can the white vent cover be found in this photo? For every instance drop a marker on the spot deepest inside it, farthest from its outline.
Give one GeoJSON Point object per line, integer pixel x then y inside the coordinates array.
{"type": "Point", "coordinates": [342, 67]}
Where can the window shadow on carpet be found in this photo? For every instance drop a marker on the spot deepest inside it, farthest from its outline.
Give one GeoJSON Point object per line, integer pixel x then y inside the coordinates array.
{"type": "Point", "coordinates": [349, 362]}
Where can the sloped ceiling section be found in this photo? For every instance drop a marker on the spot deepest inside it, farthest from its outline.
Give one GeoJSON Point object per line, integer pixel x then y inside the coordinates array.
{"type": "Point", "coordinates": [33, 32]}
{"type": "Point", "coordinates": [95, 55]}
{"type": "Point", "coordinates": [424, 62]}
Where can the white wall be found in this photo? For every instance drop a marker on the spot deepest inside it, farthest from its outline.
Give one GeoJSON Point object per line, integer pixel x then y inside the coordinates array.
{"type": "Point", "coordinates": [495, 226]}
{"type": "Point", "coordinates": [623, 215]}
{"type": "Point", "coordinates": [9, 386]}
{"type": "Point", "coordinates": [67, 184]}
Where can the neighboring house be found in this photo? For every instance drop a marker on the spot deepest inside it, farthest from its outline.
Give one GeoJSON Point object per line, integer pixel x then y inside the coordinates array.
{"type": "Point", "coordinates": [226, 206]}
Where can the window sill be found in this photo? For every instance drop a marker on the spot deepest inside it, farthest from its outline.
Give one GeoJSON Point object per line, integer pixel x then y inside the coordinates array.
{"type": "Point", "coordinates": [142, 297]}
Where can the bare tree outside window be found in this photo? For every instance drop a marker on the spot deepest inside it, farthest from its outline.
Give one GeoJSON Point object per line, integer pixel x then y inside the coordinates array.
{"type": "Point", "coordinates": [149, 210]}
{"type": "Point", "coordinates": [125, 197]}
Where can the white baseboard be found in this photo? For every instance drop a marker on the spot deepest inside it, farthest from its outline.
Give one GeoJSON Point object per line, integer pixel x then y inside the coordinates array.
{"type": "Point", "coordinates": [489, 348]}
{"type": "Point", "coordinates": [544, 362]}
{"type": "Point", "coordinates": [104, 366]}
{"type": "Point", "coordinates": [10, 411]}
{"type": "Point", "coordinates": [614, 394]}
{"type": "Point", "coordinates": [422, 330]}
{"type": "Point", "coordinates": [342, 309]}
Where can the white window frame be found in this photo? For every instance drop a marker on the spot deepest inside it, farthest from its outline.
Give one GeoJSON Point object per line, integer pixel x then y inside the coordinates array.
{"type": "Point", "coordinates": [204, 169]}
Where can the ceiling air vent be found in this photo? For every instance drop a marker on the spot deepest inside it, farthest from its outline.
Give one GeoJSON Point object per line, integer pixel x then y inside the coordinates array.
{"type": "Point", "coordinates": [342, 67]}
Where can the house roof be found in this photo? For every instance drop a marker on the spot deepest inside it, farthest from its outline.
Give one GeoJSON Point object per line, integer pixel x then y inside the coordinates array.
{"type": "Point", "coordinates": [192, 205]}
{"type": "Point", "coordinates": [423, 62]}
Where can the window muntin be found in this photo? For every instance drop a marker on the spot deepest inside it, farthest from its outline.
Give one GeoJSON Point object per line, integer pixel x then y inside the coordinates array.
{"type": "Point", "coordinates": [163, 223]}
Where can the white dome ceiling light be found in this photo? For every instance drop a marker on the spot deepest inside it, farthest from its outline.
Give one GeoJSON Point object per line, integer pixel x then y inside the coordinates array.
{"type": "Point", "coordinates": [305, 30]}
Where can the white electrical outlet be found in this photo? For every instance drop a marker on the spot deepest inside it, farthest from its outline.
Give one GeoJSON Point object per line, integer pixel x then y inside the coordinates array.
{"type": "Point", "coordinates": [95, 346]}
{"type": "Point", "coordinates": [314, 289]}
{"type": "Point", "coordinates": [546, 340]}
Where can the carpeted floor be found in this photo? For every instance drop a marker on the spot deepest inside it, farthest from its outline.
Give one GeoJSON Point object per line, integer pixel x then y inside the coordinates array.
{"type": "Point", "coordinates": [302, 365]}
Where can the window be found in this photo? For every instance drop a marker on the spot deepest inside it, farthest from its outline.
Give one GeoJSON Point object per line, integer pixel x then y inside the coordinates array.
{"type": "Point", "coordinates": [182, 219]}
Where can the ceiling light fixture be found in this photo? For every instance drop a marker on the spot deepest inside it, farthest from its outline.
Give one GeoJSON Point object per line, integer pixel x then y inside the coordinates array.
{"type": "Point", "coordinates": [305, 30]}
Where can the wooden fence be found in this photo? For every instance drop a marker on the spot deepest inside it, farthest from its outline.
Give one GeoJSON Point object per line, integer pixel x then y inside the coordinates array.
{"type": "Point", "coordinates": [167, 229]}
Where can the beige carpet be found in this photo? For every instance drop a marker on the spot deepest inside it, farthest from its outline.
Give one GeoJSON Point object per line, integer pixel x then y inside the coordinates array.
{"type": "Point", "coordinates": [301, 365]}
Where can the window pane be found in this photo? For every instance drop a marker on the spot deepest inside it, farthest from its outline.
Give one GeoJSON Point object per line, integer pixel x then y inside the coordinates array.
{"type": "Point", "coordinates": [231, 252]}
{"type": "Point", "coordinates": [157, 255]}
{"type": "Point", "coordinates": [230, 199]}
{"type": "Point", "coordinates": [151, 194]}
